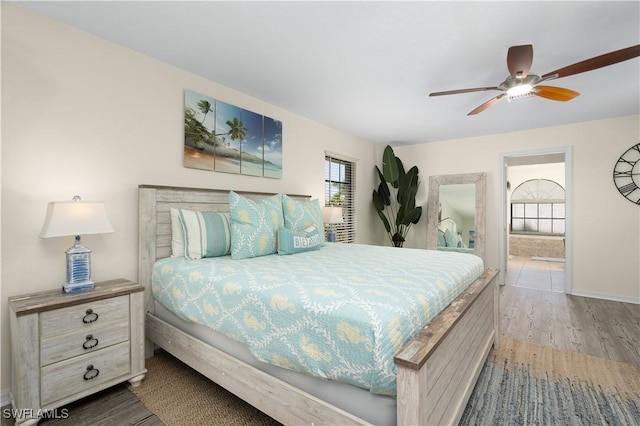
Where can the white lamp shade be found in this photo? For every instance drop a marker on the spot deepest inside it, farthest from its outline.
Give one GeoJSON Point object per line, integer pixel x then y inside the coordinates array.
{"type": "Point", "coordinates": [75, 218]}
{"type": "Point", "coordinates": [331, 214]}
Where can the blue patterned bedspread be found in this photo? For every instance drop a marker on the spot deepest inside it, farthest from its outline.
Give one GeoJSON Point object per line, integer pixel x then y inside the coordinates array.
{"type": "Point", "coordinates": [341, 312]}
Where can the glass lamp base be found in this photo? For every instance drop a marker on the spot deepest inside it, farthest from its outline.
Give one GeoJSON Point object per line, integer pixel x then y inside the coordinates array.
{"type": "Point", "coordinates": [332, 235]}
{"type": "Point", "coordinates": [78, 268]}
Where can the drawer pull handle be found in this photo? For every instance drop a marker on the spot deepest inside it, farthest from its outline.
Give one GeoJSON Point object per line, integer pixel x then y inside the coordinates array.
{"type": "Point", "coordinates": [91, 342]}
{"type": "Point", "coordinates": [90, 317]}
{"type": "Point", "coordinates": [91, 373]}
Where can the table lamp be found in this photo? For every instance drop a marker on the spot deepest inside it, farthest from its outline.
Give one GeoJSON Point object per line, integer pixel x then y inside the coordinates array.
{"type": "Point", "coordinates": [332, 215]}
{"type": "Point", "coordinates": [76, 217]}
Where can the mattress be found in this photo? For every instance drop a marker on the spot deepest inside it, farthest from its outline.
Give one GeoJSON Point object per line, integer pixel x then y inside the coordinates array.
{"type": "Point", "coordinates": [339, 313]}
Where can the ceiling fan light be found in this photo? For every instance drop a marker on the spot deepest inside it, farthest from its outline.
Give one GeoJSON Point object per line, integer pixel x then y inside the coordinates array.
{"type": "Point", "coordinates": [520, 89]}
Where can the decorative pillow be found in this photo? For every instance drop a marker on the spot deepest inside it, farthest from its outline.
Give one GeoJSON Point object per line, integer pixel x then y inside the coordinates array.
{"type": "Point", "coordinates": [206, 234]}
{"type": "Point", "coordinates": [292, 242]}
{"type": "Point", "coordinates": [441, 240]}
{"type": "Point", "coordinates": [254, 225]}
{"type": "Point", "coordinates": [177, 234]}
{"type": "Point", "coordinates": [453, 240]}
{"type": "Point", "coordinates": [299, 215]}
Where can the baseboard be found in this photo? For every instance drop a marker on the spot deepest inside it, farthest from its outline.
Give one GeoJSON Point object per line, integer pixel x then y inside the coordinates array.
{"type": "Point", "coordinates": [5, 397]}
{"type": "Point", "coordinates": [612, 297]}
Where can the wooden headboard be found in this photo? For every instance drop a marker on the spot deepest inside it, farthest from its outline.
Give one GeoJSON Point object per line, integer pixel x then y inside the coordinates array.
{"type": "Point", "coordinates": [154, 220]}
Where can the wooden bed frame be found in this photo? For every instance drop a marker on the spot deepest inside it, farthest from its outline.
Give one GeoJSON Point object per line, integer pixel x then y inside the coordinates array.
{"type": "Point", "coordinates": [437, 370]}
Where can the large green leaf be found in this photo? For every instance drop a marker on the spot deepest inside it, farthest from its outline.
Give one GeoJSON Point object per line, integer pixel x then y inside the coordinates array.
{"type": "Point", "coordinates": [401, 174]}
{"type": "Point", "coordinates": [408, 186]}
{"type": "Point", "coordinates": [411, 178]}
{"type": "Point", "coordinates": [387, 227]}
{"type": "Point", "coordinates": [417, 215]}
{"type": "Point", "coordinates": [383, 194]}
{"type": "Point", "coordinates": [412, 216]}
{"type": "Point", "coordinates": [377, 202]}
{"type": "Point", "coordinates": [390, 166]}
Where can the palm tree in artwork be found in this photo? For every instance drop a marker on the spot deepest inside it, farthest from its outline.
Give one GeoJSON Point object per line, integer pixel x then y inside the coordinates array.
{"type": "Point", "coordinates": [205, 108]}
{"type": "Point", "coordinates": [237, 131]}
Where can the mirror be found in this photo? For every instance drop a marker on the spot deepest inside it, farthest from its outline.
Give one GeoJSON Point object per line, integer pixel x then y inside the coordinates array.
{"type": "Point", "coordinates": [456, 213]}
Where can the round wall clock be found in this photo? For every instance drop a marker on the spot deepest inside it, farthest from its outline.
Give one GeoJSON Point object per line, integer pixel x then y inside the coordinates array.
{"type": "Point", "coordinates": [626, 174]}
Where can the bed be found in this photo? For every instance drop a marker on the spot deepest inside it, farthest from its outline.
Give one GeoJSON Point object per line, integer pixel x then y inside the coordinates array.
{"type": "Point", "coordinates": [436, 368]}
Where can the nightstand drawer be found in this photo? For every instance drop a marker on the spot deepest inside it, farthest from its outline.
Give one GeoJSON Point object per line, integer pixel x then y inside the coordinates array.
{"type": "Point", "coordinates": [61, 346]}
{"type": "Point", "coordinates": [65, 378]}
{"type": "Point", "coordinates": [85, 317]}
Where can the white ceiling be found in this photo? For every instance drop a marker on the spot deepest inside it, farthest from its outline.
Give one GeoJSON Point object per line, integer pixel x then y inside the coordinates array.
{"type": "Point", "coordinates": [366, 68]}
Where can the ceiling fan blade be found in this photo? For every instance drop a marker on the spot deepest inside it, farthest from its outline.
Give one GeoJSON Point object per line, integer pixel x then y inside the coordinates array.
{"type": "Point", "coordinates": [596, 62]}
{"type": "Point", "coordinates": [491, 102]}
{"type": "Point", "coordinates": [455, 92]}
{"type": "Point", "coordinates": [519, 60]}
{"type": "Point", "coordinates": [555, 93]}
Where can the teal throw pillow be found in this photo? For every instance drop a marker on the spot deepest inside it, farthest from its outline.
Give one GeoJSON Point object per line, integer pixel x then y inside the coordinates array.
{"type": "Point", "coordinates": [254, 225]}
{"type": "Point", "coordinates": [292, 242]}
{"type": "Point", "coordinates": [300, 215]}
{"type": "Point", "coordinates": [453, 240]}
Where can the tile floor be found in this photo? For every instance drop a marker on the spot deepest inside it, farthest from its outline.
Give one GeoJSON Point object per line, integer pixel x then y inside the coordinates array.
{"type": "Point", "coordinates": [535, 274]}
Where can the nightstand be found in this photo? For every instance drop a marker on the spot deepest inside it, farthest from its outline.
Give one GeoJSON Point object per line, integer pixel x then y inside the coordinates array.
{"type": "Point", "coordinates": [65, 346]}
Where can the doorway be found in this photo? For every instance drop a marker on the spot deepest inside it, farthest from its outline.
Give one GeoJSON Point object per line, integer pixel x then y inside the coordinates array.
{"type": "Point", "coordinates": [537, 254]}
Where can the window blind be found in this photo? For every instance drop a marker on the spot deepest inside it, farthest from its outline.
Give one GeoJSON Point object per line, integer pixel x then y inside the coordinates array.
{"type": "Point", "coordinates": [340, 190]}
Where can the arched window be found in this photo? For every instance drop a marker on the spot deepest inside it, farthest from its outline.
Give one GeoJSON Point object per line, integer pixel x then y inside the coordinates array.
{"type": "Point", "coordinates": [538, 207]}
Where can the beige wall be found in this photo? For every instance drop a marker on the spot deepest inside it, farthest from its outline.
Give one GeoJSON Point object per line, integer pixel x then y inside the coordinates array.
{"type": "Point", "coordinates": [606, 235]}
{"type": "Point", "coordinates": [85, 116]}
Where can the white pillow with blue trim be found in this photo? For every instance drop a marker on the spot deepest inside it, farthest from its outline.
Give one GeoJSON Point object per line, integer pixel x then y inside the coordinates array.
{"type": "Point", "coordinates": [177, 234]}
{"type": "Point", "coordinates": [292, 242]}
{"type": "Point", "coordinates": [300, 215]}
{"type": "Point", "coordinates": [206, 234]}
{"type": "Point", "coordinates": [254, 225]}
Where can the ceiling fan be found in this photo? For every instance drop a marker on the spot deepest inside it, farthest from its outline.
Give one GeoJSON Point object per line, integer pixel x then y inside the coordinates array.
{"type": "Point", "coordinates": [521, 84]}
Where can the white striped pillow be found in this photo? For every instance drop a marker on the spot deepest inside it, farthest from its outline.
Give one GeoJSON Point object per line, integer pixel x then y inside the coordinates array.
{"type": "Point", "coordinates": [206, 234]}
{"type": "Point", "coordinates": [177, 234]}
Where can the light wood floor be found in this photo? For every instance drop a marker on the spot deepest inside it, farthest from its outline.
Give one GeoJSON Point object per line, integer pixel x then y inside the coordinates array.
{"type": "Point", "coordinates": [548, 317]}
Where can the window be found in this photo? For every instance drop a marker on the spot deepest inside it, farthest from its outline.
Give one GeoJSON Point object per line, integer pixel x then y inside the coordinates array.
{"type": "Point", "coordinates": [538, 207]}
{"type": "Point", "coordinates": [340, 190]}
{"type": "Point", "coordinates": [542, 218]}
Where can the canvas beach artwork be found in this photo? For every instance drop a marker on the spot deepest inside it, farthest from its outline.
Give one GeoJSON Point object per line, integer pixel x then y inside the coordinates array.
{"type": "Point", "coordinates": [225, 138]}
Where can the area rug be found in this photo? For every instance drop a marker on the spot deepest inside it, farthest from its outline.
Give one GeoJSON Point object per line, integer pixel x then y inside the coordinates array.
{"type": "Point", "coordinates": [528, 384]}
{"type": "Point", "coordinates": [521, 384]}
{"type": "Point", "coordinates": [179, 396]}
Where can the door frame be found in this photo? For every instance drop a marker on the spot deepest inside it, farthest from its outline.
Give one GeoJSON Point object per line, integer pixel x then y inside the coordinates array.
{"type": "Point", "coordinates": [568, 234]}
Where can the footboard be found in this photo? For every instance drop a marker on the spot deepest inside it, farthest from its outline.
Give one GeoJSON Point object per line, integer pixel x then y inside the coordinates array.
{"type": "Point", "coordinates": [438, 369]}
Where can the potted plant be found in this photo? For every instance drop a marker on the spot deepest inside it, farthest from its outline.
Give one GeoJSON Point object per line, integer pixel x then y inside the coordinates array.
{"type": "Point", "coordinates": [395, 198]}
